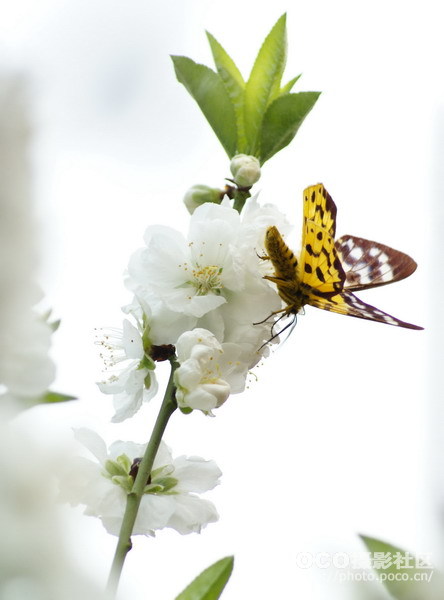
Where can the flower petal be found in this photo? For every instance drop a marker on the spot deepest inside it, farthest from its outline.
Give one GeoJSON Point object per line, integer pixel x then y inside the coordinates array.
{"type": "Point", "coordinates": [192, 514]}
{"type": "Point", "coordinates": [92, 440]}
{"type": "Point", "coordinates": [196, 474]}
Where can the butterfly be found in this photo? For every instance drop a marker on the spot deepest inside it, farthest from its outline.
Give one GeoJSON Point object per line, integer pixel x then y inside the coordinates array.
{"type": "Point", "coordinates": [327, 272]}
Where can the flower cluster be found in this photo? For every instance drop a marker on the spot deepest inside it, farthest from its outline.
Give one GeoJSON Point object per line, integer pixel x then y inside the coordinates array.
{"type": "Point", "coordinates": [170, 495]}
{"type": "Point", "coordinates": [204, 295]}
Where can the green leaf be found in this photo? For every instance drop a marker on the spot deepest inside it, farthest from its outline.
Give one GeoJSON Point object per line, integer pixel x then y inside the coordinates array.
{"type": "Point", "coordinates": [402, 575]}
{"type": "Point", "coordinates": [55, 325]}
{"type": "Point", "coordinates": [234, 84]}
{"type": "Point", "coordinates": [209, 91]}
{"type": "Point", "coordinates": [282, 121]}
{"type": "Point", "coordinates": [264, 82]}
{"type": "Point", "coordinates": [210, 584]}
{"type": "Point", "coordinates": [225, 65]}
{"type": "Point", "coordinates": [288, 86]}
{"type": "Point", "coordinates": [55, 397]}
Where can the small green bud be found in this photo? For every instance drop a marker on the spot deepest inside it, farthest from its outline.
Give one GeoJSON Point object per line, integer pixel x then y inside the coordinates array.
{"type": "Point", "coordinates": [199, 194]}
{"type": "Point", "coordinates": [246, 170]}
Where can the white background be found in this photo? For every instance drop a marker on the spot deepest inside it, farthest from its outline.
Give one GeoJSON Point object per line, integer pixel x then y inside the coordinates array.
{"type": "Point", "coordinates": [341, 433]}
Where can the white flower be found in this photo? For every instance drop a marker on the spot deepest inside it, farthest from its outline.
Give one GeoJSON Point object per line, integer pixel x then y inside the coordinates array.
{"type": "Point", "coordinates": [199, 281]}
{"type": "Point", "coordinates": [256, 218]}
{"type": "Point", "coordinates": [168, 500]}
{"type": "Point", "coordinates": [246, 170]}
{"type": "Point", "coordinates": [208, 372]}
{"type": "Point", "coordinates": [193, 276]}
{"type": "Point", "coordinates": [134, 382]}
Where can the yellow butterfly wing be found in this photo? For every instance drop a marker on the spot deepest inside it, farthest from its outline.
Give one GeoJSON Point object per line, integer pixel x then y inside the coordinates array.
{"type": "Point", "coordinates": [320, 209]}
{"type": "Point", "coordinates": [319, 267]}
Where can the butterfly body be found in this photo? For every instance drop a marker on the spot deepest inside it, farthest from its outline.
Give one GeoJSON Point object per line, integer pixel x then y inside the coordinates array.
{"type": "Point", "coordinates": [326, 270]}
{"type": "Point", "coordinates": [286, 271]}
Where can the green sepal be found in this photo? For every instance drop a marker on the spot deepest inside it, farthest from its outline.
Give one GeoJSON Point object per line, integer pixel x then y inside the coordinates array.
{"type": "Point", "coordinates": [161, 486]}
{"type": "Point", "coordinates": [147, 381]}
{"type": "Point", "coordinates": [164, 471]}
{"type": "Point", "coordinates": [392, 580]}
{"type": "Point", "coordinates": [51, 397]}
{"type": "Point", "coordinates": [153, 488]}
{"type": "Point", "coordinates": [125, 482]}
{"type": "Point", "coordinates": [118, 471]}
{"type": "Point", "coordinates": [210, 93]}
{"type": "Point", "coordinates": [168, 483]}
{"type": "Point", "coordinates": [186, 410]}
{"type": "Point", "coordinates": [114, 468]}
{"type": "Point", "coordinates": [147, 363]}
{"type": "Point", "coordinates": [264, 82]}
{"type": "Point", "coordinates": [234, 84]}
{"type": "Point", "coordinates": [282, 121]}
{"type": "Point", "coordinates": [146, 341]}
{"type": "Point", "coordinates": [125, 462]}
{"type": "Point", "coordinates": [210, 584]}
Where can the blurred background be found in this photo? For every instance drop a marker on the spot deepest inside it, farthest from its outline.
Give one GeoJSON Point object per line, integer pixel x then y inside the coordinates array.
{"type": "Point", "coordinates": [342, 431]}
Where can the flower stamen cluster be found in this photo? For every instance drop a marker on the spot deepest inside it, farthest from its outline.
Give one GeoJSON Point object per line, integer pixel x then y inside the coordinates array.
{"type": "Point", "coordinates": [207, 279]}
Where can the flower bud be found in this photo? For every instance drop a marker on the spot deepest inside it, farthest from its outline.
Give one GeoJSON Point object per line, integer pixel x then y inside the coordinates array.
{"type": "Point", "coordinates": [246, 170]}
{"type": "Point", "coordinates": [199, 194]}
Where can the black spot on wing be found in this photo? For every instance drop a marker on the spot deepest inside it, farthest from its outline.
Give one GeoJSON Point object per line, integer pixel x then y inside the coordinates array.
{"type": "Point", "coordinates": [320, 274]}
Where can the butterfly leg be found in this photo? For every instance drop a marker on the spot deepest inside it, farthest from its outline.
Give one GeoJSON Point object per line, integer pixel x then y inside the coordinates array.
{"type": "Point", "coordinates": [275, 312]}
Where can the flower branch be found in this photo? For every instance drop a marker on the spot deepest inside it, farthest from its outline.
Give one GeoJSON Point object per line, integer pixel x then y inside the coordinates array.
{"type": "Point", "coordinates": [134, 498]}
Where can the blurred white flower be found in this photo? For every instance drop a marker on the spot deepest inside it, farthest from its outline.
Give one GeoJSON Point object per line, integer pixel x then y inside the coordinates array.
{"type": "Point", "coordinates": [168, 500]}
{"type": "Point", "coordinates": [208, 372]}
{"type": "Point", "coordinates": [134, 381]}
{"type": "Point", "coordinates": [26, 371]}
{"type": "Point", "coordinates": [34, 564]}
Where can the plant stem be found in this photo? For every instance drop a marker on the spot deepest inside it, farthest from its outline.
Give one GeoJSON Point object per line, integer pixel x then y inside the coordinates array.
{"type": "Point", "coordinates": [135, 496]}
{"type": "Point", "coordinates": [240, 196]}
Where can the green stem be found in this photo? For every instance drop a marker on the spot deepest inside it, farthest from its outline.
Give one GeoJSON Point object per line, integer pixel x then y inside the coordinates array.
{"type": "Point", "coordinates": [135, 496]}
{"type": "Point", "coordinates": [240, 196]}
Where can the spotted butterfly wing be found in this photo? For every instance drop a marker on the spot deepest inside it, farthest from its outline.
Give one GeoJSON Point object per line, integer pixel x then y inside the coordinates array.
{"type": "Point", "coordinates": [326, 271]}
{"type": "Point", "coordinates": [370, 264]}
{"type": "Point", "coordinates": [320, 269]}
{"type": "Point", "coordinates": [346, 303]}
